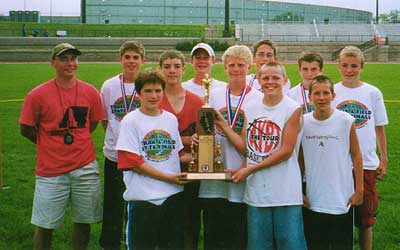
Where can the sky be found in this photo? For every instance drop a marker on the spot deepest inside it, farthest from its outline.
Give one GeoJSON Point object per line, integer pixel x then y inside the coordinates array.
{"type": "Point", "coordinates": [72, 7]}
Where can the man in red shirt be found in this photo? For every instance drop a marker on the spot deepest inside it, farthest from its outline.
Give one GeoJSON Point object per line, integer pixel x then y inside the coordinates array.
{"type": "Point", "coordinates": [59, 116]}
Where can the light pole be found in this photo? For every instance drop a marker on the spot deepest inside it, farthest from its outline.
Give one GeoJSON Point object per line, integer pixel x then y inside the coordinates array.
{"type": "Point", "coordinates": [377, 12]}
{"type": "Point", "coordinates": [226, 32]}
{"type": "Point", "coordinates": [51, 11]}
{"type": "Point", "coordinates": [207, 14]}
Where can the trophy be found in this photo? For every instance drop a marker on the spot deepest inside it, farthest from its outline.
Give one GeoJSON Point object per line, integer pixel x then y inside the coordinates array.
{"type": "Point", "coordinates": [208, 164]}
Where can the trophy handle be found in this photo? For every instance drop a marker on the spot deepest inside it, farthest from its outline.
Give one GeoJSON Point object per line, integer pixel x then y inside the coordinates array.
{"type": "Point", "coordinates": [192, 163]}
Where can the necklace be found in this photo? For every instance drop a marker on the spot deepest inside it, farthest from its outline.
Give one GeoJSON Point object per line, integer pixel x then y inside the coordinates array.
{"type": "Point", "coordinates": [68, 137]}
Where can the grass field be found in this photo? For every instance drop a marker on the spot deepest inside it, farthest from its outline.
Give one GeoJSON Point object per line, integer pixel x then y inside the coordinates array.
{"type": "Point", "coordinates": [101, 30]}
{"type": "Point", "coordinates": [19, 154]}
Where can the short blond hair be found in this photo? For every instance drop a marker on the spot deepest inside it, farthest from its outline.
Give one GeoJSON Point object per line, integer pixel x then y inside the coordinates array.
{"type": "Point", "coordinates": [273, 65]}
{"type": "Point", "coordinates": [352, 51]}
{"type": "Point", "coordinates": [240, 51]}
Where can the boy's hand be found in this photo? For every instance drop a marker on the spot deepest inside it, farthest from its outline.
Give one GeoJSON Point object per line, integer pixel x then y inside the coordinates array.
{"type": "Point", "coordinates": [306, 202]}
{"type": "Point", "coordinates": [220, 121]}
{"type": "Point", "coordinates": [195, 139]}
{"type": "Point", "coordinates": [381, 171]}
{"type": "Point", "coordinates": [355, 199]}
{"type": "Point", "coordinates": [241, 175]}
{"type": "Point", "coordinates": [177, 179]}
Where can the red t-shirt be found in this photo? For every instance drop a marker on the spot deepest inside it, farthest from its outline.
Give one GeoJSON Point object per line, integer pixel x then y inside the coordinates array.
{"type": "Point", "coordinates": [188, 116]}
{"type": "Point", "coordinates": [54, 109]}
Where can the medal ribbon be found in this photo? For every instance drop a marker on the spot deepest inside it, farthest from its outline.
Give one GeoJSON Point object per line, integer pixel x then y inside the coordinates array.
{"type": "Point", "coordinates": [307, 108]}
{"type": "Point", "coordinates": [252, 80]}
{"type": "Point", "coordinates": [232, 117]}
{"type": "Point", "coordinates": [127, 105]}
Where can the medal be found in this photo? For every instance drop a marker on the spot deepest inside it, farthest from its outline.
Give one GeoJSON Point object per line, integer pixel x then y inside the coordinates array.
{"type": "Point", "coordinates": [68, 139]}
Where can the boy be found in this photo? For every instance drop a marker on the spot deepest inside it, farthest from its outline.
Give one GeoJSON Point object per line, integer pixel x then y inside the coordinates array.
{"type": "Point", "coordinates": [365, 103]}
{"type": "Point", "coordinates": [202, 59]}
{"type": "Point", "coordinates": [264, 52]}
{"type": "Point", "coordinates": [311, 65]}
{"type": "Point", "coordinates": [119, 98]}
{"type": "Point", "coordinates": [149, 155]}
{"type": "Point", "coordinates": [185, 106]}
{"type": "Point", "coordinates": [273, 180]}
{"type": "Point", "coordinates": [224, 213]}
{"type": "Point", "coordinates": [59, 117]}
{"type": "Point", "coordinates": [331, 153]}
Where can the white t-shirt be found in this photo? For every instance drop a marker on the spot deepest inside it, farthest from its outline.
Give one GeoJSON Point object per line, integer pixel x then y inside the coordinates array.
{"type": "Point", "coordinates": [329, 168]}
{"type": "Point", "coordinates": [365, 104]}
{"type": "Point", "coordinates": [278, 185]}
{"type": "Point", "coordinates": [300, 95]}
{"type": "Point", "coordinates": [199, 89]}
{"type": "Point", "coordinates": [157, 139]}
{"type": "Point", "coordinates": [253, 82]}
{"type": "Point", "coordinates": [113, 102]}
{"type": "Point", "coordinates": [232, 159]}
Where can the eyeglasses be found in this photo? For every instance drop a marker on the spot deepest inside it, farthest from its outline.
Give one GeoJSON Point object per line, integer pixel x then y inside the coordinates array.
{"type": "Point", "coordinates": [267, 55]}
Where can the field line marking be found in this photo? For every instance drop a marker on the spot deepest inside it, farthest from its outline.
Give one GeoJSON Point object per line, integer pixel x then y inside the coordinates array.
{"type": "Point", "coordinates": [12, 100]}
{"type": "Point", "coordinates": [392, 101]}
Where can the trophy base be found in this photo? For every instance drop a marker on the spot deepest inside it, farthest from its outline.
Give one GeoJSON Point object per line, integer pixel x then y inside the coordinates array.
{"type": "Point", "coordinates": [208, 176]}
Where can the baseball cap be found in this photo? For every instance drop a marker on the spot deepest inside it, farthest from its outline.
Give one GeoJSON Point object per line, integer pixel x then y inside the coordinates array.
{"type": "Point", "coordinates": [63, 47]}
{"type": "Point", "coordinates": [204, 46]}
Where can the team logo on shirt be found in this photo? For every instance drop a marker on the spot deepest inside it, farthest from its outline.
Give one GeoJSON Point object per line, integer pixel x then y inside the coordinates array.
{"type": "Point", "coordinates": [118, 108]}
{"type": "Point", "coordinates": [359, 111]}
{"type": "Point", "coordinates": [263, 137]}
{"type": "Point", "coordinates": [239, 122]}
{"type": "Point", "coordinates": [158, 145]}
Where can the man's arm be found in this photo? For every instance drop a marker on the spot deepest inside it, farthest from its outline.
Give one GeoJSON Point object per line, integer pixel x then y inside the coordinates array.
{"type": "Point", "coordinates": [29, 132]}
{"type": "Point", "coordinates": [382, 146]}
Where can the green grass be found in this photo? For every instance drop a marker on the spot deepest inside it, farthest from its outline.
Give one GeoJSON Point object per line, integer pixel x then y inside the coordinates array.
{"type": "Point", "coordinates": [19, 154]}
{"type": "Point", "coordinates": [101, 30]}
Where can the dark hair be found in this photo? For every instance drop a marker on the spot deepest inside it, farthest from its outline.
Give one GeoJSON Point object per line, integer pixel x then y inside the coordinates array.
{"type": "Point", "coordinates": [171, 54]}
{"type": "Point", "coordinates": [131, 45]}
{"type": "Point", "coordinates": [321, 79]}
{"type": "Point", "coordinates": [311, 56]}
{"type": "Point", "coordinates": [264, 42]}
{"type": "Point", "coordinates": [149, 76]}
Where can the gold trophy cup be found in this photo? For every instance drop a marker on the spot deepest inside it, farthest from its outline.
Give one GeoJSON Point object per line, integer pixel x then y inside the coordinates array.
{"type": "Point", "coordinates": [208, 165]}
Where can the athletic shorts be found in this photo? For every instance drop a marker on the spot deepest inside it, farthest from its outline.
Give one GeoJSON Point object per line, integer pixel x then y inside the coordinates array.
{"type": "Point", "coordinates": [366, 213]}
{"type": "Point", "coordinates": [80, 187]}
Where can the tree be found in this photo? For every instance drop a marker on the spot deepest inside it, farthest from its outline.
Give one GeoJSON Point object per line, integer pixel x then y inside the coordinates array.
{"type": "Point", "coordinates": [392, 17]}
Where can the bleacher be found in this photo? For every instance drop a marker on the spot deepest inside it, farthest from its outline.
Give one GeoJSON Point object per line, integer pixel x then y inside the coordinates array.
{"type": "Point", "coordinates": [346, 32]}
{"type": "Point", "coordinates": [391, 31]}
{"type": "Point", "coordinates": [321, 32]}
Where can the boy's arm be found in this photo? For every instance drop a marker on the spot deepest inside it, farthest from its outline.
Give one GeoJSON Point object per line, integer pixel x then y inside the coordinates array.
{"type": "Point", "coordinates": [381, 141]}
{"type": "Point", "coordinates": [93, 126]}
{"type": "Point", "coordinates": [289, 140]}
{"type": "Point", "coordinates": [355, 152]}
{"type": "Point", "coordinates": [238, 141]}
{"type": "Point", "coordinates": [148, 170]}
{"type": "Point", "coordinates": [300, 159]}
{"type": "Point", "coordinates": [104, 123]}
